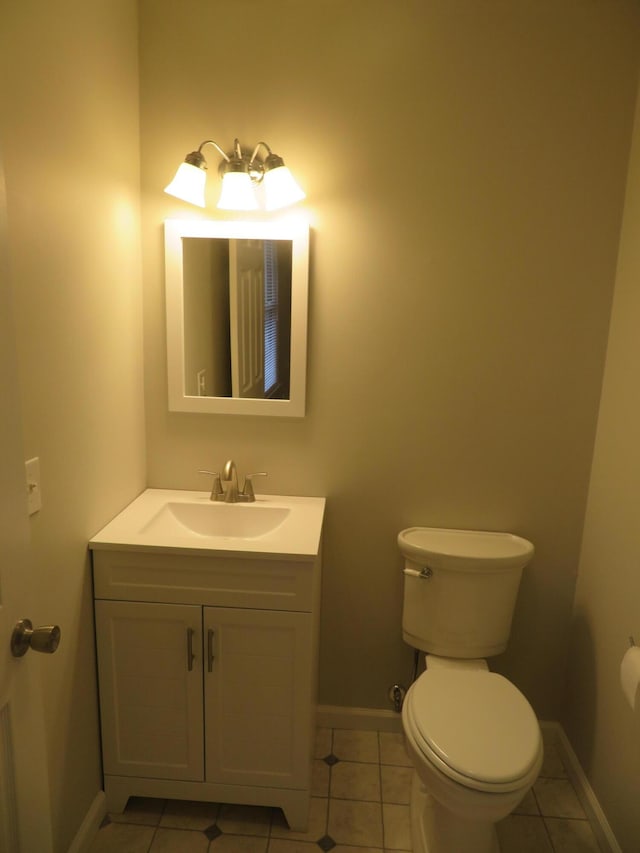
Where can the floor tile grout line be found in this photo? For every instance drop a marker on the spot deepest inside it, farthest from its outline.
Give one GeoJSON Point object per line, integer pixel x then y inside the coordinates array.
{"type": "Point", "coordinates": [384, 835]}
{"type": "Point", "coordinates": [544, 825]}
{"type": "Point", "coordinates": [331, 752]}
{"type": "Point", "coordinates": [548, 834]}
{"type": "Point", "coordinates": [153, 837]}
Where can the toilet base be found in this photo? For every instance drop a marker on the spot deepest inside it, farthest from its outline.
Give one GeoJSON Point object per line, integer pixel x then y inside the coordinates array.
{"type": "Point", "coordinates": [437, 830]}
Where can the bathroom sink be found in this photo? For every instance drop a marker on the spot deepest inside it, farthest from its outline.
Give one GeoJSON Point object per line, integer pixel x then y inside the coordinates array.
{"type": "Point", "coordinates": [184, 521]}
{"type": "Point", "coordinates": [242, 521]}
{"type": "Point", "coordinates": [464, 548]}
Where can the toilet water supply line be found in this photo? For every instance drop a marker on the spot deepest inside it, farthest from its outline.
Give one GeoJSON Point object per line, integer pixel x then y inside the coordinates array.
{"type": "Point", "coordinates": [396, 695]}
{"type": "Point", "coordinates": [397, 692]}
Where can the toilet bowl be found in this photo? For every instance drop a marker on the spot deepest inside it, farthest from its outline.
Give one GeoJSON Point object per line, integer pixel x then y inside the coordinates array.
{"type": "Point", "coordinates": [476, 748]}
{"type": "Point", "coordinates": [472, 736]}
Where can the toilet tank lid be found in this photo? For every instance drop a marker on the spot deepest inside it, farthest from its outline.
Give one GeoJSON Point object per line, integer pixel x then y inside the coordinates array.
{"type": "Point", "coordinates": [469, 550]}
{"type": "Point", "coordinates": [477, 722]}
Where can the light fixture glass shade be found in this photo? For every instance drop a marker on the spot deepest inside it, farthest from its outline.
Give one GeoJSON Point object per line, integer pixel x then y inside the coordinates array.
{"type": "Point", "coordinates": [237, 192]}
{"type": "Point", "coordinates": [280, 188]}
{"type": "Point", "coordinates": [188, 184]}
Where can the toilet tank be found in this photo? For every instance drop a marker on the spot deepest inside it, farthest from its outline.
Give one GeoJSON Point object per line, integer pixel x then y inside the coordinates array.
{"type": "Point", "coordinates": [460, 589]}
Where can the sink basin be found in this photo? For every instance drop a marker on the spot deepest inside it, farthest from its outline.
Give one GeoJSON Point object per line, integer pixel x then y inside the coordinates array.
{"type": "Point", "coordinates": [181, 521]}
{"type": "Point", "coordinates": [464, 549]}
{"type": "Point", "coordinates": [242, 521]}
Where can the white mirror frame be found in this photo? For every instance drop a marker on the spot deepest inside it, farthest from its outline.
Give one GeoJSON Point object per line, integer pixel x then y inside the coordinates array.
{"type": "Point", "coordinates": [298, 233]}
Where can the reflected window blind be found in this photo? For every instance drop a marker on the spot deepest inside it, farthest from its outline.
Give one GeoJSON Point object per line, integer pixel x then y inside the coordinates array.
{"type": "Point", "coordinates": [271, 376]}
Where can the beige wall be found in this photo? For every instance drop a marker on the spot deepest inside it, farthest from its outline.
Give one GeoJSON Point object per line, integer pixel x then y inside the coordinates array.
{"type": "Point", "coordinates": [69, 137]}
{"type": "Point", "coordinates": [602, 727]}
{"type": "Point", "coordinates": [458, 316]}
{"type": "Point", "coordinates": [457, 324]}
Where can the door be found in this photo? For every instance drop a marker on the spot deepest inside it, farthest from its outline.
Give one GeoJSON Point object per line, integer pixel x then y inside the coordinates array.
{"type": "Point", "coordinates": [258, 676]}
{"type": "Point", "coordinates": [246, 307]}
{"type": "Point", "coordinates": [25, 818]}
{"type": "Point", "coordinates": [150, 672]}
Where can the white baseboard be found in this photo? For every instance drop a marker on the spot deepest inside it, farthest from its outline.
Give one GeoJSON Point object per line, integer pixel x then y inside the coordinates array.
{"type": "Point", "coordinates": [90, 825]}
{"type": "Point", "coordinates": [586, 794]}
{"type": "Point", "coordinates": [365, 719]}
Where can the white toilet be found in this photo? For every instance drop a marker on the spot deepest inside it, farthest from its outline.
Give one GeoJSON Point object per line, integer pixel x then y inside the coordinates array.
{"type": "Point", "coordinates": [473, 738]}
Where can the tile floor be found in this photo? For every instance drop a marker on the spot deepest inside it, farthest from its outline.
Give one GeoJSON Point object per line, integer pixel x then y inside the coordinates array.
{"type": "Point", "coordinates": [360, 805]}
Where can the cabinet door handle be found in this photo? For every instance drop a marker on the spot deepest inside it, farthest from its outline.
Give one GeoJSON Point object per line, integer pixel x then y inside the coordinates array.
{"type": "Point", "coordinates": [190, 653]}
{"type": "Point", "coordinates": [210, 656]}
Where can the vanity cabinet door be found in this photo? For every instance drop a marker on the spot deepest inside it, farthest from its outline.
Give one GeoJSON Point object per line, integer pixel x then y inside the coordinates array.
{"type": "Point", "coordinates": [258, 691]}
{"type": "Point", "coordinates": [150, 677]}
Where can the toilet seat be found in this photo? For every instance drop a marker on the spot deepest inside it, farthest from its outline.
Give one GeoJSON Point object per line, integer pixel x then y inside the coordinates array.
{"type": "Point", "coordinates": [475, 727]}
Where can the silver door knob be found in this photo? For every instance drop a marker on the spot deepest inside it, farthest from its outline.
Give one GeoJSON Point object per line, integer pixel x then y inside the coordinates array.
{"type": "Point", "coordinates": [45, 639]}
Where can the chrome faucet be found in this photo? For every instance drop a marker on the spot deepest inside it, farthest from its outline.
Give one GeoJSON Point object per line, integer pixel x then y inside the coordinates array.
{"type": "Point", "coordinates": [230, 476]}
{"type": "Point", "coordinates": [232, 494]}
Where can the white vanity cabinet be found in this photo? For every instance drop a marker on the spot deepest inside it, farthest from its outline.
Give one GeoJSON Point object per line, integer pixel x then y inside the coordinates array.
{"type": "Point", "coordinates": [257, 697]}
{"type": "Point", "coordinates": [150, 689]}
{"type": "Point", "coordinates": [207, 669]}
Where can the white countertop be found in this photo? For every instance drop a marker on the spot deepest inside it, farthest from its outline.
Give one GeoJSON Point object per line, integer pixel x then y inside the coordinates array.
{"type": "Point", "coordinates": [174, 520]}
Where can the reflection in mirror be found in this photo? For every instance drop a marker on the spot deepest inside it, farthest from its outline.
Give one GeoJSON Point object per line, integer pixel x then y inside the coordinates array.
{"type": "Point", "coordinates": [236, 316]}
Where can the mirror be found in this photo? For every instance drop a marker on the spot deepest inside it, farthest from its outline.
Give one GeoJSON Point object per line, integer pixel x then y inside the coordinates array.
{"type": "Point", "coordinates": [236, 302]}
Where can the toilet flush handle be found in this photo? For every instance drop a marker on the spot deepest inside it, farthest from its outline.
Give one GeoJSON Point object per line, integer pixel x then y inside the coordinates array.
{"type": "Point", "coordinates": [424, 574]}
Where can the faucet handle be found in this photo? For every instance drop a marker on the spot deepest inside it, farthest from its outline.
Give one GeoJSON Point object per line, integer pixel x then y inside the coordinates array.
{"type": "Point", "coordinates": [216, 486]}
{"type": "Point", "coordinates": [247, 491]}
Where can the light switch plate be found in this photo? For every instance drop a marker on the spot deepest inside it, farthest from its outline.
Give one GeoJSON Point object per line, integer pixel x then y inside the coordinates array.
{"type": "Point", "coordinates": [201, 377]}
{"type": "Point", "coordinates": [34, 495]}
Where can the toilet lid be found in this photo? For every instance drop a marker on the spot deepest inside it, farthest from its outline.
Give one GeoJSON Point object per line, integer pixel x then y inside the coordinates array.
{"type": "Point", "coordinates": [477, 723]}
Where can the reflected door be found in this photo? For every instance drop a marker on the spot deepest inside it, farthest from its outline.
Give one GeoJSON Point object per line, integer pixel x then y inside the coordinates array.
{"type": "Point", "coordinates": [246, 307]}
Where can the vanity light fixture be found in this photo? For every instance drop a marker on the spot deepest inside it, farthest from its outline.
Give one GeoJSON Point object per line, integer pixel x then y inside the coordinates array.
{"type": "Point", "coordinates": [240, 174]}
